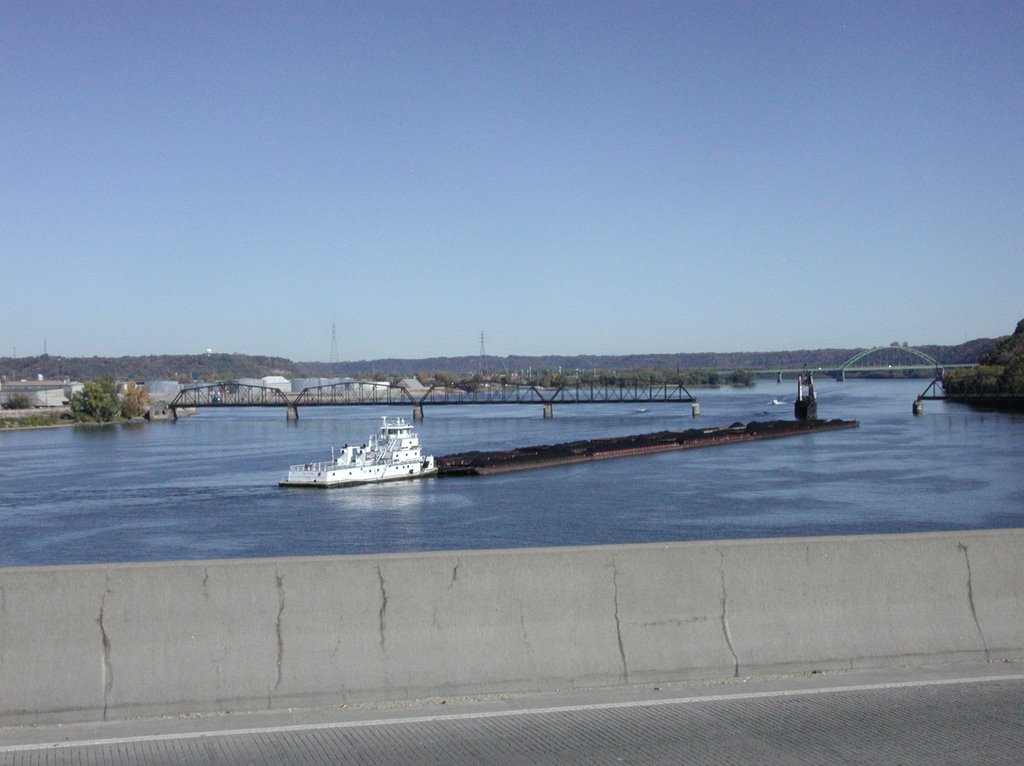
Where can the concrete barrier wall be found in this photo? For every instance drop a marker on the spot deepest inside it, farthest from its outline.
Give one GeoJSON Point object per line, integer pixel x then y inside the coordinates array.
{"type": "Point", "coordinates": [115, 641]}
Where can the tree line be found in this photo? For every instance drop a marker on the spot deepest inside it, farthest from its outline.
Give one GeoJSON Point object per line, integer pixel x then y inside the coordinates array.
{"type": "Point", "coordinates": [100, 402]}
{"type": "Point", "coordinates": [567, 378]}
{"type": "Point", "coordinates": [220, 366]}
{"type": "Point", "coordinates": [1001, 371]}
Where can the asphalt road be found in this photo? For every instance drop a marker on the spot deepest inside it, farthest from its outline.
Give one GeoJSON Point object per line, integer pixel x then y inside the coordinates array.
{"type": "Point", "coordinates": [945, 715]}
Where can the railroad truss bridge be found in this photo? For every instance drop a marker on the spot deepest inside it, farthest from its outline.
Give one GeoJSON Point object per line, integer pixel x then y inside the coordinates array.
{"type": "Point", "coordinates": [356, 393]}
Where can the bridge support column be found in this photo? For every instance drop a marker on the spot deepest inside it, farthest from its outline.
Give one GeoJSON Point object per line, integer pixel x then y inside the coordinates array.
{"type": "Point", "coordinates": [695, 409]}
{"type": "Point", "coordinates": [549, 410]}
{"type": "Point", "coordinates": [293, 413]}
{"type": "Point", "coordinates": [918, 407]}
{"type": "Point", "coordinates": [417, 412]}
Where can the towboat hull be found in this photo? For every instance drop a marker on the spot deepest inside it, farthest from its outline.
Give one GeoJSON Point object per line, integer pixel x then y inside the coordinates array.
{"type": "Point", "coordinates": [352, 477]}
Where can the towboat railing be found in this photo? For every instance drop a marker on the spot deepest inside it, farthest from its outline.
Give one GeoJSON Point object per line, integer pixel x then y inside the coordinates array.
{"type": "Point", "coordinates": [328, 466]}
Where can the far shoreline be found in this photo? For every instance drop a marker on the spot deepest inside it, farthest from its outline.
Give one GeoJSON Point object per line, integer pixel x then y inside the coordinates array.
{"type": "Point", "coordinates": [57, 417]}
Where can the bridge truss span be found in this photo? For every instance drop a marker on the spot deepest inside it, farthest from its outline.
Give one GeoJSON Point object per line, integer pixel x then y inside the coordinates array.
{"type": "Point", "coordinates": [230, 394]}
{"type": "Point", "coordinates": [354, 393]}
{"type": "Point", "coordinates": [586, 394]}
{"type": "Point", "coordinates": [574, 394]}
{"type": "Point", "coordinates": [889, 358]}
{"type": "Point", "coordinates": [890, 353]}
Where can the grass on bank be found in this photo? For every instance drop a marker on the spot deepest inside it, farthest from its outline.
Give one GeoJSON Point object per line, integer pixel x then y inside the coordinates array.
{"type": "Point", "coordinates": [34, 421]}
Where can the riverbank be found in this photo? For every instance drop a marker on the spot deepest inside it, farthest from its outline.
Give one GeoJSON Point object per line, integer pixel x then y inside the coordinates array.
{"type": "Point", "coordinates": [993, 402]}
{"type": "Point", "coordinates": [37, 417]}
{"type": "Point", "coordinates": [50, 417]}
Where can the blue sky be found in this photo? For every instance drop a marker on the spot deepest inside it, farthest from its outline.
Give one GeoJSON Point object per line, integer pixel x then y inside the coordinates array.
{"type": "Point", "coordinates": [567, 177]}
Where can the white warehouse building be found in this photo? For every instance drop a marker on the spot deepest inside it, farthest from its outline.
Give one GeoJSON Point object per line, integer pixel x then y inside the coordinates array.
{"type": "Point", "coordinates": [41, 393]}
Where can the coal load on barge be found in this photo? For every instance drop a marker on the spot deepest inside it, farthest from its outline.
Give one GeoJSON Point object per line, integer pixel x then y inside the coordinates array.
{"type": "Point", "coordinates": [523, 458]}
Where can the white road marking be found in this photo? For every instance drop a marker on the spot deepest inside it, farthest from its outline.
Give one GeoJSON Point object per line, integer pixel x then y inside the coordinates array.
{"type": "Point", "coordinates": [504, 713]}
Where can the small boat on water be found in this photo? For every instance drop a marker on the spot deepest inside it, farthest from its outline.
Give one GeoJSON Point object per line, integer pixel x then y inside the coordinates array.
{"type": "Point", "coordinates": [392, 453]}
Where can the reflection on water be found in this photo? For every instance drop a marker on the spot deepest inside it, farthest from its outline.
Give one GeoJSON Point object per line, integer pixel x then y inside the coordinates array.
{"type": "Point", "coordinates": [206, 486]}
{"type": "Point", "coordinates": [392, 496]}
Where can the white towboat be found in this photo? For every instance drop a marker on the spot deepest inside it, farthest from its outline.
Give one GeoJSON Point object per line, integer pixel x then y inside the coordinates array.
{"type": "Point", "coordinates": [392, 453]}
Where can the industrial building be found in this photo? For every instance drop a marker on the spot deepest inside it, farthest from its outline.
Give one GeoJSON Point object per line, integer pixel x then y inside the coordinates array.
{"type": "Point", "coordinates": [40, 393]}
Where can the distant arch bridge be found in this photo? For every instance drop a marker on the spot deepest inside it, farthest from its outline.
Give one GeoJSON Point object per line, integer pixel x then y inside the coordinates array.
{"type": "Point", "coordinates": [882, 359]}
{"type": "Point", "coordinates": [889, 358]}
{"type": "Point", "coordinates": [358, 393]}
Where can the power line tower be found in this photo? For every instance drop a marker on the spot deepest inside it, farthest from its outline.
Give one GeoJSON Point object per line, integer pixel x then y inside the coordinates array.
{"type": "Point", "coordinates": [483, 354]}
{"type": "Point", "coordinates": [334, 344]}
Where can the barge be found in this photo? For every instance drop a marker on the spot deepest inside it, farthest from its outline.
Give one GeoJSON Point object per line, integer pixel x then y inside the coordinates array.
{"type": "Point", "coordinates": [542, 456]}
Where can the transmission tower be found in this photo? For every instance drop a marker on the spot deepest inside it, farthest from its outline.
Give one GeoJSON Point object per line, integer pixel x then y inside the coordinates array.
{"type": "Point", "coordinates": [483, 354]}
{"type": "Point", "coordinates": [334, 343]}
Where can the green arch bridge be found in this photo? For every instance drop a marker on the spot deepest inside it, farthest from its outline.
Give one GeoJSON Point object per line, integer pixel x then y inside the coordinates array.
{"type": "Point", "coordinates": [879, 359]}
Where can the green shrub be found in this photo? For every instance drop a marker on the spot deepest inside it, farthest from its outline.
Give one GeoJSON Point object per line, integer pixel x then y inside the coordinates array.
{"type": "Point", "coordinates": [19, 401]}
{"type": "Point", "coordinates": [96, 402]}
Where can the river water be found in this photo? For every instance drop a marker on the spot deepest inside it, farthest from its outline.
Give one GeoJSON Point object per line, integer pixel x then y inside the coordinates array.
{"type": "Point", "coordinates": [206, 486]}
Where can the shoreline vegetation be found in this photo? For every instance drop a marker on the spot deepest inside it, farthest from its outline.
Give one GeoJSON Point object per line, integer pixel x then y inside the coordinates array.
{"type": "Point", "coordinates": [34, 418]}
{"type": "Point", "coordinates": [97, 403]}
{"type": "Point", "coordinates": [212, 367]}
{"type": "Point", "coordinates": [999, 375]}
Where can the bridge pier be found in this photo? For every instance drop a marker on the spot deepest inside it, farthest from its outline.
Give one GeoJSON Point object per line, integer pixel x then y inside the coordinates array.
{"type": "Point", "coordinates": [549, 410]}
{"type": "Point", "coordinates": [417, 412]}
{"type": "Point", "coordinates": [695, 409]}
{"type": "Point", "coordinates": [918, 408]}
{"type": "Point", "coordinates": [292, 414]}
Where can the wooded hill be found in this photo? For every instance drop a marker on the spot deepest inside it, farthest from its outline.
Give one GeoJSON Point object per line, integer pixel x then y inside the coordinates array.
{"type": "Point", "coordinates": [227, 366]}
{"type": "Point", "coordinates": [1000, 371]}
{"type": "Point", "coordinates": [965, 353]}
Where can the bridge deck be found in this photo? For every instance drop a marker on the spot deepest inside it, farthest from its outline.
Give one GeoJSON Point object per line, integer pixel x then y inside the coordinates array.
{"type": "Point", "coordinates": [229, 394]}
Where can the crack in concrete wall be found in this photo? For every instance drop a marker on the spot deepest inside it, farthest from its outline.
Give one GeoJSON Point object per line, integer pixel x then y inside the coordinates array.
{"type": "Point", "coordinates": [618, 625]}
{"type": "Point", "coordinates": [970, 598]}
{"type": "Point", "coordinates": [524, 632]}
{"type": "Point", "coordinates": [216, 661]}
{"type": "Point", "coordinates": [278, 628]}
{"type": "Point", "coordinates": [455, 572]}
{"type": "Point", "coordinates": [383, 606]}
{"type": "Point", "coordinates": [106, 664]}
{"type": "Point", "coordinates": [724, 615]}
{"type": "Point", "coordinates": [3, 624]}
